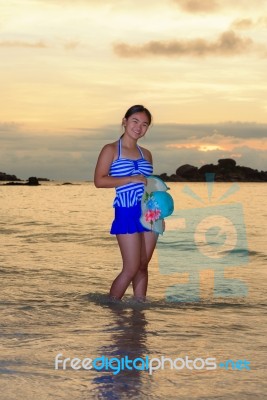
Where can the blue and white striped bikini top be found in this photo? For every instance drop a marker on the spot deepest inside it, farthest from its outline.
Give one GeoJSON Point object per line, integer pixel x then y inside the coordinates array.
{"type": "Point", "coordinates": [128, 195]}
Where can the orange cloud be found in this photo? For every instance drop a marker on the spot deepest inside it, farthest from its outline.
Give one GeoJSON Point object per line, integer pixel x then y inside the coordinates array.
{"type": "Point", "coordinates": [212, 6]}
{"type": "Point", "coordinates": [227, 44]}
{"type": "Point", "coordinates": [19, 43]}
{"type": "Point", "coordinates": [248, 23]}
{"type": "Point", "coordinates": [68, 45]}
{"type": "Point", "coordinates": [209, 147]}
{"type": "Point", "coordinates": [196, 6]}
{"type": "Point", "coordinates": [223, 143]}
{"type": "Point", "coordinates": [245, 23]}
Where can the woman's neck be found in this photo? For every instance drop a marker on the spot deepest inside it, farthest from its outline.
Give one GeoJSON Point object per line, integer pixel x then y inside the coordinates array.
{"type": "Point", "coordinates": [128, 142]}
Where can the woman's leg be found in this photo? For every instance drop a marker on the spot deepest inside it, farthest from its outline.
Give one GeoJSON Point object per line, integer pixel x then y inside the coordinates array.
{"type": "Point", "coordinates": [130, 247]}
{"type": "Point", "coordinates": [140, 280]}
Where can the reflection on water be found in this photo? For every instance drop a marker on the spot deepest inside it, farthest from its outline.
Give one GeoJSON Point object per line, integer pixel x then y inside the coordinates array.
{"type": "Point", "coordinates": [57, 262]}
{"type": "Point", "coordinates": [127, 340]}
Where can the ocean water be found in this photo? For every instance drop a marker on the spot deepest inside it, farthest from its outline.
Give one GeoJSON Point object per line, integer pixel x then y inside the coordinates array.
{"type": "Point", "coordinates": [57, 262]}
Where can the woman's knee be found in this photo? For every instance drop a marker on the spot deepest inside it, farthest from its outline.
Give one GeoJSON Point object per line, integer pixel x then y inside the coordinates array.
{"type": "Point", "coordinates": [130, 271]}
{"type": "Point", "coordinates": [143, 265]}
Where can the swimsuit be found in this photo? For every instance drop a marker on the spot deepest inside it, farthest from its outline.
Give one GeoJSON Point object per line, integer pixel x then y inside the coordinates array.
{"type": "Point", "coordinates": [127, 203]}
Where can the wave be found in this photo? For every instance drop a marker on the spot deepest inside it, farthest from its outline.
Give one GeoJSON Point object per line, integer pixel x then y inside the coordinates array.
{"type": "Point", "coordinates": [104, 300]}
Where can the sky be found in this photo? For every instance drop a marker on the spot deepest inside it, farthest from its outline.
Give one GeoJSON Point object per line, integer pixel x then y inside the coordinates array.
{"type": "Point", "coordinates": [69, 70]}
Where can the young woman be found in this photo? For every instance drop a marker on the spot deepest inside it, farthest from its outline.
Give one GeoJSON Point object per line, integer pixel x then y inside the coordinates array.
{"type": "Point", "coordinates": [124, 165]}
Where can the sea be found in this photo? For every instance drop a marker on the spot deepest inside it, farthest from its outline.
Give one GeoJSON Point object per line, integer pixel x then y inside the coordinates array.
{"type": "Point", "coordinates": [201, 334]}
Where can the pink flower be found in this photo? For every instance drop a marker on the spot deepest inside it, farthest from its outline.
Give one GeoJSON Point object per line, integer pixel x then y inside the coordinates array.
{"type": "Point", "coordinates": [152, 215]}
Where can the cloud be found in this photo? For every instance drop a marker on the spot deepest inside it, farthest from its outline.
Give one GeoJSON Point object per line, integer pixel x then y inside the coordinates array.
{"type": "Point", "coordinates": [195, 132]}
{"type": "Point", "coordinates": [245, 23]}
{"type": "Point", "coordinates": [212, 6]}
{"type": "Point", "coordinates": [248, 23]}
{"type": "Point", "coordinates": [72, 155]}
{"type": "Point", "coordinates": [227, 44]}
{"type": "Point", "coordinates": [198, 6]}
{"type": "Point", "coordinates": [71, 44]}
{"type": "Point", "coordinates": [67, 45]}
{"type": "Point", "coordinates": [6, 127]}
{"type": "Point", "coordinates": [218, 141]}
{"type": "Point", "coordinates": [20, 43]}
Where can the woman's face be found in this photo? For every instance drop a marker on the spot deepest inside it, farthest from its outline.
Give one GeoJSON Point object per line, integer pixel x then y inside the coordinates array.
{"type": "Point", "coordinates": [136, 125]}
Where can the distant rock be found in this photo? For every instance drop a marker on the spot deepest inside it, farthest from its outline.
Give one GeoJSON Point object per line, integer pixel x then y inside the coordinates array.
{"type": "Point", "coordinates": [227, 163]}
{"type": "Point", "coordinates": [186, 171]}
{"type": "Point", "coordinates": [225, 171]}
{"type": "Point", "coordinates": [7, 177]}
{"type": "Point", "coordinates": [208, 169]}
{"type": "Point", "coordinates": [32, 181]}
{"type": "Point", "coordinates": [70, 183]}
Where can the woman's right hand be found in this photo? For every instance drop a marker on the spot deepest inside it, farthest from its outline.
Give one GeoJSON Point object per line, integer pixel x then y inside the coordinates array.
{"type": "Point", "coordinates": [139, 178]}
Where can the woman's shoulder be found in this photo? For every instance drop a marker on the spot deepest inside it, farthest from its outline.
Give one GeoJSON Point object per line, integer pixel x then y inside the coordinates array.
{"type": "Point", "coordinates": [110, 151]}
{"type": "Point", "coordinates": [110, 147]}
{"type": "Point", "coordinates": [147, 153]}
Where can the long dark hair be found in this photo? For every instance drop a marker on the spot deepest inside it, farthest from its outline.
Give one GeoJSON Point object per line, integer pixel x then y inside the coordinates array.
{"type": "Point", "coordinates": [136, 109]}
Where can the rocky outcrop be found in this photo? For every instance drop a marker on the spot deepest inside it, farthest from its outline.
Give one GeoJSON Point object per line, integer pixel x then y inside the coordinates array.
{"type": "Point", "coordinates": [227, 164]}
{"type": "Point", "coordinates": [186, 171]}
{"type": "Point", "coordinates": [13, 178]}
{"type": "Point", "coordinates": [7, 177]}
{"type": "Point", "coordinates": [32, 181]}
{"type": "Point", "coordinates": [225, 171]}
{"type": "Point", "coordinates": [43, 179]}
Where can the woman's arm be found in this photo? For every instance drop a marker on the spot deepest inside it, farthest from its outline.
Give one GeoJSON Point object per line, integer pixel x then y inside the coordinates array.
{"type": "Point", "coordinates": [102, 178]}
